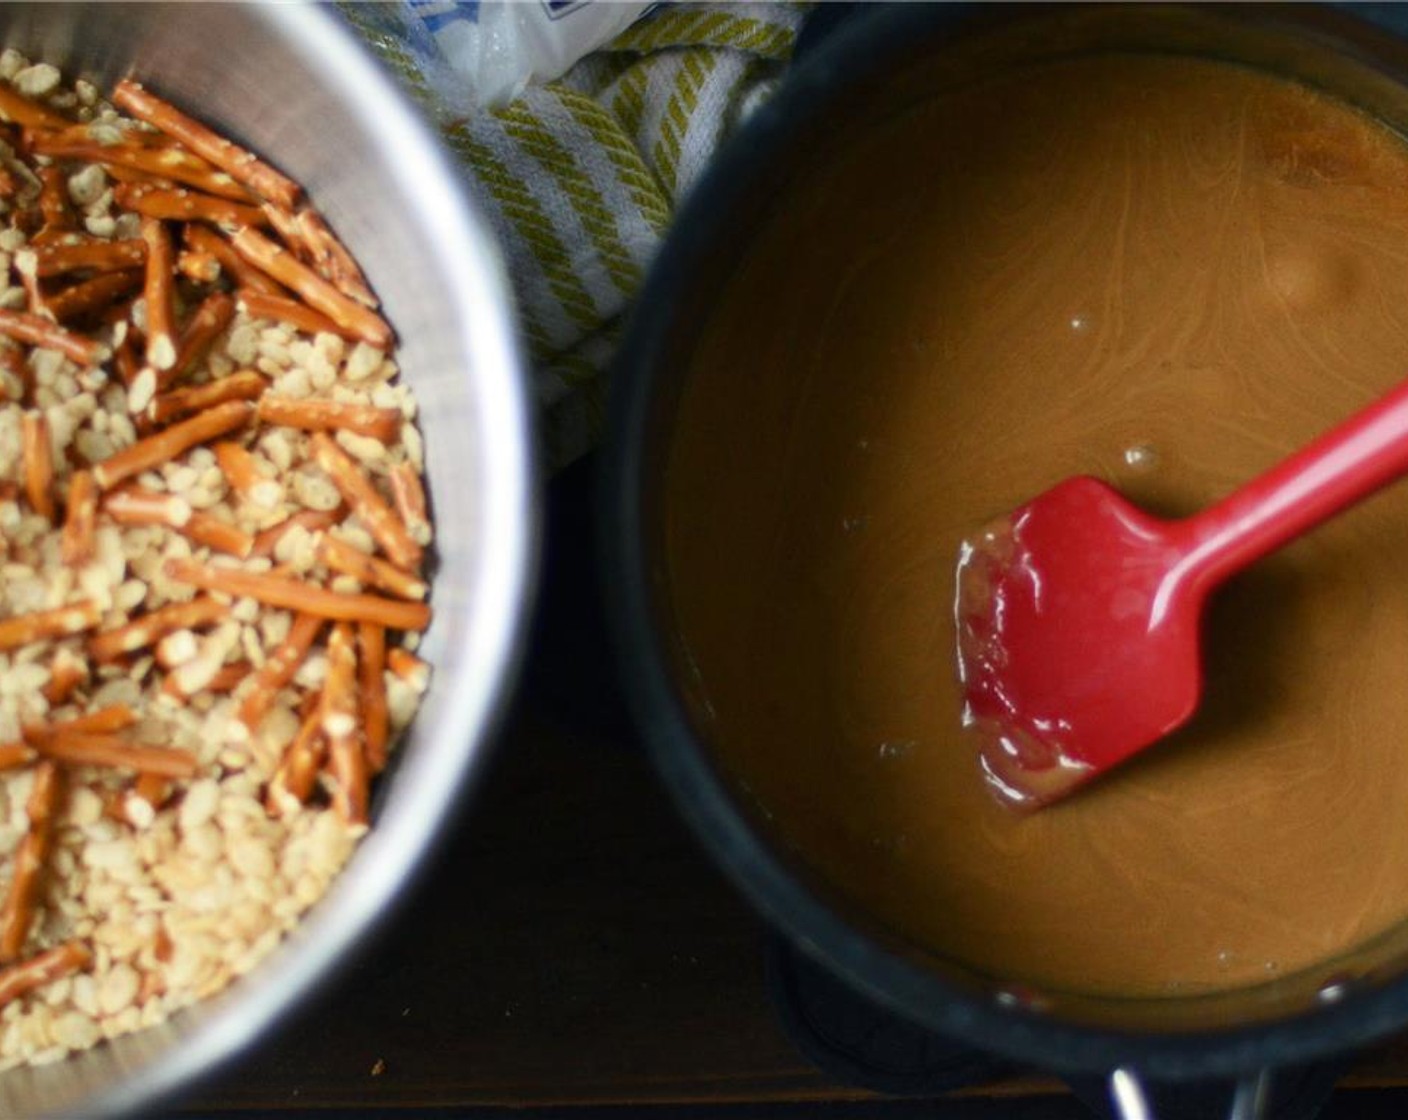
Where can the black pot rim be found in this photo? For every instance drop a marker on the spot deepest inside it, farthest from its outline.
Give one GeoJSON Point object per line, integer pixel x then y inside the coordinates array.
{"type": "Point", "coordinates": [1360, 1016]}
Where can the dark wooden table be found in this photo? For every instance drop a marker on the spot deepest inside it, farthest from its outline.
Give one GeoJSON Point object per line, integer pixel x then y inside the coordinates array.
{"type": "Point", "coordinates": [573, 947]}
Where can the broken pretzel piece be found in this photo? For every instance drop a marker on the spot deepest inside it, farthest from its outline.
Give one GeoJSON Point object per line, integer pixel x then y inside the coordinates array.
{"type": "Point", "coordinates": [280, 309]}
{"type": "Point", "coordinates": [406, 666]}
{"type": "Point", "coordinates": [159, 294]}
{"type": "Point", "coordinates": [58, 623]}
{"type": "Point", "coordinates": [89, 254]}
{"type": "Point", "coordinates": [211, 317]}
{"type": "Point", "coordinates": [147, 629]}
{"type": "Point", "coordinates": [279, 263]}
{"type": "Point", "coordinates": [92, 295]}
{"type": "Point", "coordinates": [42, 969]}
{"type": "Point", "coordinates": [376, 720]}
{"type": "Point", "coordinates": [368, 505]}
{"type": "Point", "coordinates": [243, 385]}
{"type": "Point", "coordinates": [111, 752]}
{"type": "Point", "coordinates": [15, 755]}
{"type": "Point", "coordinates": [298, 595]}
{"type": "Point", "coordinates": [310, 520]}
{"type": "Point", "coordinates": [160, 162]}
{"type": "Point", "coordinates": [38, 331]}
{"type": "Point", "coordinates": [245, 277]}
{"type": "Point", "coordinates": [409, 497]}
{"type": "Point", "coordinates": [239, 164]}
{"type": "Point", "coordinates": [315, 414]}
{"type": "Point", "coordinates": [278, 670]}
{"type": "Point", "coordinates": [66, 672]}
{"type": "Point", "coordinates": [330, 257]}
{"type": "Point", "coordinates": [19, 109]}
{"type": "Point", "coordinates": [369, 571]}
{"type": "Point", "coordinates": [37, 454]}
{"type": "Point", "coordinates": [180, 204]}
{"type": "Point", "coordinates": [172, 442]}
{"type": "Point", "coordinates": [80, 518]}
{"type": "Point", "coordinates": [17, 913]}
{"type": "Point", "coordinates": [347, 763]}
{"type": "Point", "coordinates": [241, 471]}
{"type": "Point", "coordinates": [114, 717]}
{"type": "Point", "coordinates": [297, 773]}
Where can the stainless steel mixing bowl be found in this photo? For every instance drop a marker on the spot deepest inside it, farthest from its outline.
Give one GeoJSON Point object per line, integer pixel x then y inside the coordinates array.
{"type": "Point", "coordinates": [293, 84]}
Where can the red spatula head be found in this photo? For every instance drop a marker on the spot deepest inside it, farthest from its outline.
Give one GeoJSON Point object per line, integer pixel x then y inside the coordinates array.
{"type": "Point", "coordinates": [1077, 639]}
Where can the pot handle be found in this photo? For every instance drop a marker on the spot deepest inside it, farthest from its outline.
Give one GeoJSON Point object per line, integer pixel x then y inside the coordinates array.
{"type": "Point", "coordinates": [1132, 1103]}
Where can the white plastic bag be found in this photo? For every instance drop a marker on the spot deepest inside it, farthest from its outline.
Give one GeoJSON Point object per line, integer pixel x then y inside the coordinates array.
{"type": "Point", "coordinates": [493, 48]}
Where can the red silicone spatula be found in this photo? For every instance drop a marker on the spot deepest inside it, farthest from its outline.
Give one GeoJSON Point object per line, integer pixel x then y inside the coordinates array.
{"type": "Point", "coordinates": [1078, 614]}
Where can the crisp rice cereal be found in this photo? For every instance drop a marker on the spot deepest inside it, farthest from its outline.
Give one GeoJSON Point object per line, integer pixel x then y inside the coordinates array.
{"type": "Point", "coordinates": [212, 531]}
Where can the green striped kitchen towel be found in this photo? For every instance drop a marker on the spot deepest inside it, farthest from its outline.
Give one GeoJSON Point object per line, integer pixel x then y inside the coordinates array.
{"type": "Point", "coordinates": [580, 175]}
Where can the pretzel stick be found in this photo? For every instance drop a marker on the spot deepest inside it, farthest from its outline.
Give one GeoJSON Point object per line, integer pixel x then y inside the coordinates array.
{"type": "Point", "coordinates": [17, 914]}
{"type": "Point", "coordinates": [297, 773]}
{"type": "Point", "coordinates": [211, 317]}
{"type": "Point", "coordinates": [38, 456]}
{"type": "Point", "coordinates": [88, 296]}
{"type": "Point", "coordinates": [76, 544]}
{"type": "Point", "coordinates": [298, 595]}
{"type": "Point", "coordinates": [260, 305]}
{"type": "Point", "coordinates": [130, 134]}
{"type": "Point", "coordinates": [376, 721]}
{"type": "Point", "coordinates": [286, 228]}
{"type": "Point", "coordinates": [34, 299]}
{"type": "Point", "coordinates": [163, 163]}
{"type": "Point", "coordinates": [331, 258]}
{"type": "Point", "coordinates": [278, 670]}
{"type": "Point", "coordinates": [283, 267]}
{"type": "Point", "coordinates": [369, 571]}
{"type": "Point", "coordinates": [124, 359]}
{"type": "Point", "coordinates": [312, 520]}
{"type": "Point", "coordinates": [241, 165]}
{"type": "Point", "coordinates": [217, 535]}
{"type": "Point", "coordinates": [347, 762]}
{"type": "Point", "coordinates": [53, 200]}
{"type": "Point", "coordinates": [161, 308]}
{"type": "Point", "coordinates": [114, 717]}
{"type": "Point", "coordinates": [135, 505]}
{"type": "Point", "coordinates": [150, 627]}
{"type": "Point", "coordinates": [315, 245]}
{"type": "Point", "coordinates": [173, 441]}
{"type": "Point", "coordinates": [408, 667]}
{"type": "Point", "coordinates": [202, 268]}
{"type": "Point", "coordinates": [41, 332]}
{"type": "Point", "coordinates": [66, 672]}
{"type": "Point", "coordinates": [369, 506]}
{"type": "Point", "coordinates": [229, 677]}
{"type": "Point", "coordinates": [9, 186]}
{"type": "Point", "coordinates": [152, 788]}
{"type": "Point", "coordinates": [111, 752]}
{"type": "Point", "coordinates": [58, 623]}
{"type": "Point", "coordinates": [43, 969]}
{"type": "Point", "coordinates": [242, 274]}
{"type": "Point", "coordinates": [15, 755]}
{"type": "Point", "coordinates": [90, 254]}
{"type": "Point", "coordinates": [181, 205]}
{"type": "Point", "coordinates": [242, 472]}
{"type": "Point", "coordinates": [19, 109]}
{"type": "Point", "coordinates": [319, 414]}
{"type": "Point", "coordinates": [409, 498]}
{"type": "Point", "coordinates": [244, 385]}
{"type": "Point", "coordinates": [195, 673]}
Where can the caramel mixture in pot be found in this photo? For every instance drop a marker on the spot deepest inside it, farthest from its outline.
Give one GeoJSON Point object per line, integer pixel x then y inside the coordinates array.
{"type": "Point", "coordinates": [1162, 271]}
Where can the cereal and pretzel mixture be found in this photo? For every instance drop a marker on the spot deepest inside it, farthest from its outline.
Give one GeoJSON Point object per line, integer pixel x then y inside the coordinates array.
{"type": "Point", "coordinates": [212, 535]}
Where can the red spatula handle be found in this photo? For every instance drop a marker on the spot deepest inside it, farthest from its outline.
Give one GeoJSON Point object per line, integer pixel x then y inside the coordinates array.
{"type": "Point", "coordinates": [1344, 466]}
